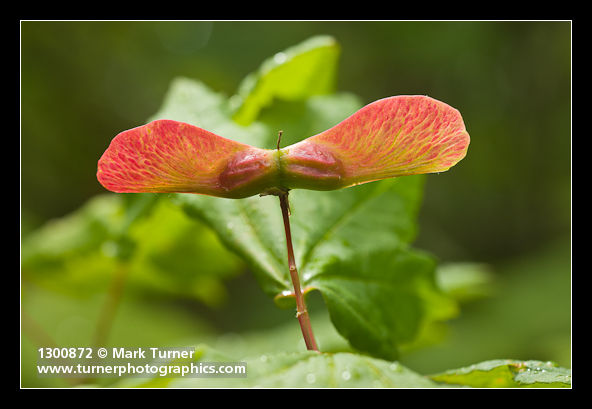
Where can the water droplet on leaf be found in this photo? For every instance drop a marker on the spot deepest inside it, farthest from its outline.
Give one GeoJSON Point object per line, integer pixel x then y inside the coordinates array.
{"type": "Point", "coordinates": [280, 58]}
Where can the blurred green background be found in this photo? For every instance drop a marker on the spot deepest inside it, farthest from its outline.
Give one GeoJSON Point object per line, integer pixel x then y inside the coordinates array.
{"type": "Point", "coordinates": [508, 204]}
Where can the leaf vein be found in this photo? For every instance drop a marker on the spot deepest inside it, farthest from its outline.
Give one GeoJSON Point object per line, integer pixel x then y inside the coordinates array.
{"type": "Point", "coordinates": [354, 313]}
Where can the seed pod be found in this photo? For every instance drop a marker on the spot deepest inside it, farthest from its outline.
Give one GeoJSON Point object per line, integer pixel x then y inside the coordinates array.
{"type": "Point", "coordinates": [391, 137]}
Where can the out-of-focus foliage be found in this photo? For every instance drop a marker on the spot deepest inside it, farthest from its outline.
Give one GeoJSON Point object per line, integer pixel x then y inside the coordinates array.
{"type": "Point", "coordinates": [466, 281]}
{"type": "Point", "coordinates": [527, 316]}
{"type": "Point", "coordinates": [164, 252]}
{"type": "Point", "coordinates": [505, 209]}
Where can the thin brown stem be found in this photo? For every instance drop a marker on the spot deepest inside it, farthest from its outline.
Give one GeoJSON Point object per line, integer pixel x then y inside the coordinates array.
{"type": "Point", "coordinates": [301, 311]}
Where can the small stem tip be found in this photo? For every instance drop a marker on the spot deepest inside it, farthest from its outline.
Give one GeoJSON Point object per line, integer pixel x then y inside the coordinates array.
{"type": "Point", "coordinates": [279, 140]}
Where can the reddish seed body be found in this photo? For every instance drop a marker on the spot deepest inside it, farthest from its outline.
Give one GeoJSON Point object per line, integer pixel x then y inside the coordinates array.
{"type": "Point", "coordinates": [247, 170]}
{"type": "Point", "coordinates": [308, 163]}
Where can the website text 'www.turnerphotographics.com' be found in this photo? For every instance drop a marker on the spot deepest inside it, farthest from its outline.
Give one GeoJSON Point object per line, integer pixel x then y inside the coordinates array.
{"type": "Point", "coordinates": [137, 362]}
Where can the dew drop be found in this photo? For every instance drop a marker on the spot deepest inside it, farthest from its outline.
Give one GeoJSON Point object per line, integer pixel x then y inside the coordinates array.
{"type": "Point", "coordinates": [346, 375]}
{"type": "Point", "coordinates": [263, 358]}
{"type": "Point", "coordinates": [311, 378]}
{"type": "Point", "coordinates": [280, 58]}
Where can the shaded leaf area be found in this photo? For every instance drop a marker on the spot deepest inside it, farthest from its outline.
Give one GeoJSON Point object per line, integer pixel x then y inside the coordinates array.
{"type": "Point", "coordinates": [352, 244]}
{"type": "Point", "coordinates": [296, 370]}
{"type": "Point", "coordinates": [159, 249]}
{"type": "Point", "coordinates": [508, 374]}
{"type": "Point", "coordinates": [401, 283]}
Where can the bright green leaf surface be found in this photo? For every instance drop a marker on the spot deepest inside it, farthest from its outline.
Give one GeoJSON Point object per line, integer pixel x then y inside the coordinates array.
{"type": "Point", "coordinates": [508, 374]}
{"type": "Point", "coordinates": [296, 73]}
